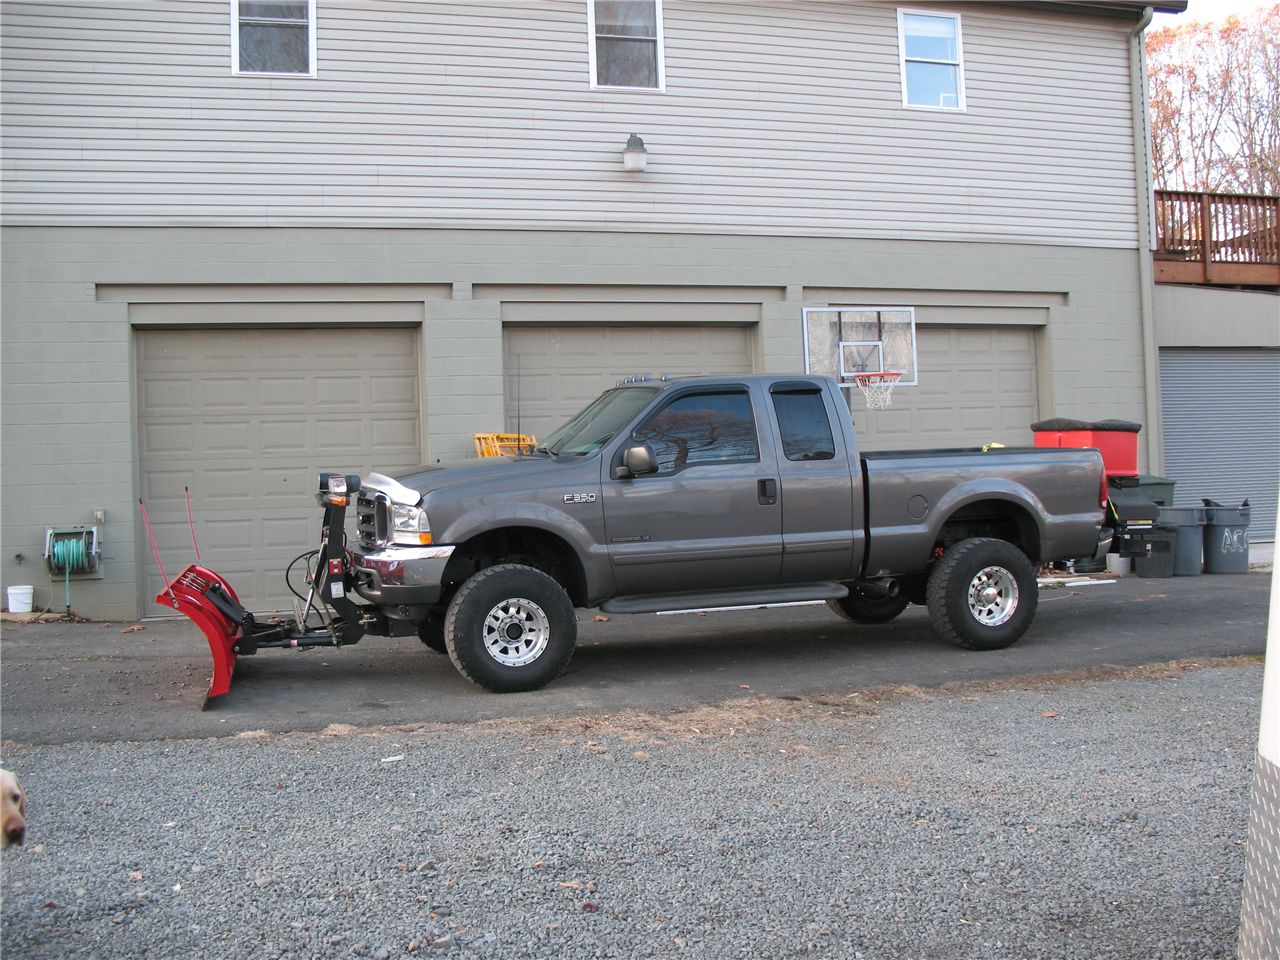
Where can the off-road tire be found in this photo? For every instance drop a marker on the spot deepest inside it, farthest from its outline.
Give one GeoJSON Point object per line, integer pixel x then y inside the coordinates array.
{"type": "Point", "coordinates": [982, 594]}
{"type": "Point", "coordinates": [860, 608]}
{"type": "Point", "coordinates": [503, 615]}
{"type": "Point", "coordinates": [431, 632]}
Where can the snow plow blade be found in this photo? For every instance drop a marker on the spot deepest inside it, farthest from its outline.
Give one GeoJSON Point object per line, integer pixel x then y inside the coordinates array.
{"type": "Point", "coordinates": [210, 602]}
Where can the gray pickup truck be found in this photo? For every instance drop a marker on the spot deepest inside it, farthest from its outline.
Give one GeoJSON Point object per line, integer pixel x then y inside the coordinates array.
{"type": "Point", "coordinates": [714, 492]}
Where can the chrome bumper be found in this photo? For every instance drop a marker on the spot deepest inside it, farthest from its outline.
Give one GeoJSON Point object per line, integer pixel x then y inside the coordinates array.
{"type": "Point", "coordinates": [1105, 538]}
{"type": "Point", "coordinates": [396, 576]}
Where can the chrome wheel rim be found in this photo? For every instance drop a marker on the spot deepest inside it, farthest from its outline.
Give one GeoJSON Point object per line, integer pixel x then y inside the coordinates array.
{"type": "Point", "coordinates": [516, 632]}
{"type": "Point", "coordinates": [993, 596]}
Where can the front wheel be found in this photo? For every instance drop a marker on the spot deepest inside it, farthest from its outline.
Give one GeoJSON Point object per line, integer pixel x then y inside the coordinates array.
{"type": "Point", "coordinates": [511, 628]}
{"type": "Point", "coordinates": [982, 594]}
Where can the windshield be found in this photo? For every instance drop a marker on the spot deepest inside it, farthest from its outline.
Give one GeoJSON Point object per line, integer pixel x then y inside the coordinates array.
{"type": "Point", "coordinates": [595, 426]}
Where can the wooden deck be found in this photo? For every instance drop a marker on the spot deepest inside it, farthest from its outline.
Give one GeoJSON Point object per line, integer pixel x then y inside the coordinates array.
{"type": "Point", "coordinates": [1227, 239]}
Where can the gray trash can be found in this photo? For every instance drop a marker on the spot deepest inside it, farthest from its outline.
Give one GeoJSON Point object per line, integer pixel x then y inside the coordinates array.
{"type": "Point", "coordinates": [1187, 553]}
{"type": "Point", "coordinates": [1226, 538]}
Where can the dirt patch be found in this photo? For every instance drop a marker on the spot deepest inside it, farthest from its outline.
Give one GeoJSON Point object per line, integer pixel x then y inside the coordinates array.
{"type": "Point", "coordinates": [740, 716]}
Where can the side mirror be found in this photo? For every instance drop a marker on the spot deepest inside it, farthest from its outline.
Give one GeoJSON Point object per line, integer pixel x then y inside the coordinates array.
{"type": "Point", "coordinates": [636, 461]}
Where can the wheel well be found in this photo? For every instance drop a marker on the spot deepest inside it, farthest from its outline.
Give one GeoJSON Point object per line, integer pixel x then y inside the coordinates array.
{"type": "Point", "coordinates": [999, 519]}
{"type": "Point", "coordinates": [527, 545]}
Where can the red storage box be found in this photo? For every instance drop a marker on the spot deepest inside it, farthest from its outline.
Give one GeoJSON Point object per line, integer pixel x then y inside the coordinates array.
{"type": "Point", "coordinates": [1117, 440]}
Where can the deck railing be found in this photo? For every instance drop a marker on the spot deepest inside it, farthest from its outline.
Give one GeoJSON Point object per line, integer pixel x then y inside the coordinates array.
{"type": "Point", "coordinates": [1226, 238]}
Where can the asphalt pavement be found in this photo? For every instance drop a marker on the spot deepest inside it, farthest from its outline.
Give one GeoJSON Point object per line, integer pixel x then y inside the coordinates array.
{"type": "Point", "coordinates": [65, 683]}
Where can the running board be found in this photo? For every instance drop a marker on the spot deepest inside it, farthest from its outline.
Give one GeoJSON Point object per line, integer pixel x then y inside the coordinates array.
{"type": "Point", "coordinates": [661, 602]}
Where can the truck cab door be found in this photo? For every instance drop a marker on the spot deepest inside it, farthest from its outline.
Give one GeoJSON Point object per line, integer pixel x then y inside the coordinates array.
{"type": "Point", "coordinates": [709, 516]}
{"type": "Point", "coordinates": [820, 481]}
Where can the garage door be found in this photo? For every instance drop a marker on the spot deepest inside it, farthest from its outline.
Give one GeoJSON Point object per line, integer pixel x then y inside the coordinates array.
{"type": "Point", "coordinates": [977, 385]}
{"type": "Point", "coordinates": [246, 419]}
{"type": "Point", "coordinates": [554, 371]}
{"type": "Point", "coordinates": [1221, 415]}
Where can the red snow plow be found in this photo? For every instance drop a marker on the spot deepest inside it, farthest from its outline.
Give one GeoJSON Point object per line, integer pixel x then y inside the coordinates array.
{"type": "Point", "coordinates": [327, 617]}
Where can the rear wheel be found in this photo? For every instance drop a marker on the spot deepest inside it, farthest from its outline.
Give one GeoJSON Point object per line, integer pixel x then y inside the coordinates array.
{"type": "Point", "coordinates": [982, 594]}
{"type": "Point", "coordinates": [511, 628]}
{"type": "Point", "coordinates": [861, 608]}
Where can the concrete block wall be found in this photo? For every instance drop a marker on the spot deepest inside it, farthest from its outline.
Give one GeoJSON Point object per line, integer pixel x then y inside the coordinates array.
{"type": "Point", "coordinates": [68, 411]}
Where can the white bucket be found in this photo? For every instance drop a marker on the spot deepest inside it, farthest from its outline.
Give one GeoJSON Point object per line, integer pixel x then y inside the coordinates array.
{"type": "Point", "coordinates": [1117, 565]}
{"type": "Point", "coordinates": [20, 599]}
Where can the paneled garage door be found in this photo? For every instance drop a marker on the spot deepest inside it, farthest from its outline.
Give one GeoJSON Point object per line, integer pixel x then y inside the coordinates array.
{"type": "Point", "coordinates": [977, 385]}
{"type": "Point", "coordinates": [554, 371]}
{"type": "Point", "coordinates": [247, 419]}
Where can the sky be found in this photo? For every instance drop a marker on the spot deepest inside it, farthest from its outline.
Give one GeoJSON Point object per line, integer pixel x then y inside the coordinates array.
{"type": "Point", "coordinates": [1211, 10]}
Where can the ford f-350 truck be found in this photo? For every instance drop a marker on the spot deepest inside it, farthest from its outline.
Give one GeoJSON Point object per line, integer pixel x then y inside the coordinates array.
{"type": "Point", "coordinates": [706, 492]}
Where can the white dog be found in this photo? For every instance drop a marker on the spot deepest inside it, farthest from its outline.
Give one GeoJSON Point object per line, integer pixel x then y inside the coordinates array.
{"type": "Point", "coordinates": [13, 810]}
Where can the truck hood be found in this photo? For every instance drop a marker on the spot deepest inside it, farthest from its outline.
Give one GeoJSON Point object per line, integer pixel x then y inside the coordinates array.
{"type": "Point", "coordinates": [488, 471]}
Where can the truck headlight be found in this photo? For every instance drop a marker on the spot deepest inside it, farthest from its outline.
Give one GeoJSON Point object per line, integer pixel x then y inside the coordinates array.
{"type": "Point", "coordinates": [409, 525]}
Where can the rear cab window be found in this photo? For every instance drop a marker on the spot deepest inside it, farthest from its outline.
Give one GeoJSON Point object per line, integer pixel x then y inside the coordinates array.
{"type": "Point", "coordinates": [803, 425]}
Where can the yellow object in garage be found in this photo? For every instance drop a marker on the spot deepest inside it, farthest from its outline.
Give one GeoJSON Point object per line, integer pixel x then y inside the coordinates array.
{"type": "Point", "coordinates": [503, 444]}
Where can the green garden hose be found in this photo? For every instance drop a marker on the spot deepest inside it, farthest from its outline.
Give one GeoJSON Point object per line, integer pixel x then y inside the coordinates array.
{"type": "Point", "coordinates": [70, 556]}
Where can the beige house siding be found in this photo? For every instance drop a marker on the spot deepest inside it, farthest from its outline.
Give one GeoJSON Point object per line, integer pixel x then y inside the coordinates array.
{"type": "Point", "coordinates": [1207, 317]}
{"type": "Point", "coordinates": [780, 117]}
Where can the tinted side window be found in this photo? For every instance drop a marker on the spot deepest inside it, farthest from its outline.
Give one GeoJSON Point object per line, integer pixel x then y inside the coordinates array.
{"type": "Point", "coordinates": [803, 423]}
{"type": "Point", "coordinates": [702, 428]}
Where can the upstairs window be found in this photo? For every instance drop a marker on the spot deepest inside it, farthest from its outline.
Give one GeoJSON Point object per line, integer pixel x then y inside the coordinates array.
{"type": "Point", "coordinates": [932, 60]}
{"type": "Point", "coordinates": [274, 37]}
{"type": "Point", "coordinates": [626, 43]}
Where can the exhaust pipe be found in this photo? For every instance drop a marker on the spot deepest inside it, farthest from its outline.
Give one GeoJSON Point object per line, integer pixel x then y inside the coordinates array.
{"type": "Point", "coordinates": [883, 587]}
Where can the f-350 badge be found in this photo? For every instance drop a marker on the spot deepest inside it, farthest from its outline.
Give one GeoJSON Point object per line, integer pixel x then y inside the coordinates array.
{"type": "Point", "coordinates": [579, 498]}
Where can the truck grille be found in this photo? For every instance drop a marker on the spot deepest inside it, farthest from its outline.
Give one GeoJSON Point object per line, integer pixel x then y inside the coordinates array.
{"type": "Point", "coordinates": [372, 519]}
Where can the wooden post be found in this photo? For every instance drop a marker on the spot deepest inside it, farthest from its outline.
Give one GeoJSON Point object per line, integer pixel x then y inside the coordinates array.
{"type": "Point", "coordinates": [1206, 235]}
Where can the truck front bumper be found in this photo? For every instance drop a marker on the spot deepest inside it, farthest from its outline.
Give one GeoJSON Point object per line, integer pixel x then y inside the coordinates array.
{"type": "Point", "coordinates": [400, 576]}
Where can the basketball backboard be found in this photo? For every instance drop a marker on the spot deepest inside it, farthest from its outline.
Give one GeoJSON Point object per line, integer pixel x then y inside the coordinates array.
{"type": "Point", "coordinates": [843, 341]}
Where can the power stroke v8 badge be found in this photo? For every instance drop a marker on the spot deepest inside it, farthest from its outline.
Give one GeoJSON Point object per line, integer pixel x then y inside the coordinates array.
{"type": "Point", "coordinates": [579, 498]}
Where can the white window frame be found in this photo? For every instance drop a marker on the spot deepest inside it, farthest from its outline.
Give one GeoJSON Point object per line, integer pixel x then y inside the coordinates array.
{"type": "Point", "coordinates": [958, 63]}
{"type": "Point", "coordinates": [660, 49]}
{"type": "Point", "coordinates": [235, 44]}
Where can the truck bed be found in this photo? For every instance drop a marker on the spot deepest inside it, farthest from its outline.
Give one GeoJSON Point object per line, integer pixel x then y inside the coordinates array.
{"type": "Point", "coordinates": [1051, 494]}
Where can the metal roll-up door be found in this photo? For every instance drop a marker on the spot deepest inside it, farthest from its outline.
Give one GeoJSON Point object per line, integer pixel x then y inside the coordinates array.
{"type": "Point", "coordinates": [1221, 412]}
{"type": "Point", "coordinates": [247, 418]}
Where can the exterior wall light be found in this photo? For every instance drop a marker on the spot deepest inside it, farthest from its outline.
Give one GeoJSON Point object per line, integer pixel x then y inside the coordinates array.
{"type": "Point", "coordinates": [634, 155]}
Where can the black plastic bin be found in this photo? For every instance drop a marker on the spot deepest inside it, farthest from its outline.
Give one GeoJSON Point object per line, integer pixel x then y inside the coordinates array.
{"type": "Point", "coordinates": [1226, 538]}
{"type": "Point", "coordinates": [1188, 557]}
{"type": "Point", "coordinates": [1152, 551]}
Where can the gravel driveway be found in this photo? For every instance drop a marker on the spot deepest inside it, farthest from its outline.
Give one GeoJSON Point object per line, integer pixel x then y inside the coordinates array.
{"type": "Point", "coordinates": [1059, 818]}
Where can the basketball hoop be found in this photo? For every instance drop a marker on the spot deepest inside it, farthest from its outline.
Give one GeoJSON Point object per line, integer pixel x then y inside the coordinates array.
{"type": "Point", "coordinates": [877, 387]}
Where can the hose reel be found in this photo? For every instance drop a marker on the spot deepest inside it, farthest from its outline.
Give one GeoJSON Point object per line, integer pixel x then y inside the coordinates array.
{"type": "Point", "coordinates": [72, 552]}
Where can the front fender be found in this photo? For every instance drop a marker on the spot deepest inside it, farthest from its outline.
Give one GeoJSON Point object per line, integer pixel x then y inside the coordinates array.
{"type": "Point", "coordinates": [486, 518]}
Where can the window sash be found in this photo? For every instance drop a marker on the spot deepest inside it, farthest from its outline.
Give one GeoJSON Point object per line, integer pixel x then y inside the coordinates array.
{"type": "Point", "coordinates": [942, 75]}
{"type": "Point", "coordinates": [606, 38]}
{"type": "Point", "coordinates": [259, 22]}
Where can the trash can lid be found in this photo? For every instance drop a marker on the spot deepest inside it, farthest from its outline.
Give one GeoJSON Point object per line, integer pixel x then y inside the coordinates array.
{"type": "Point", "coordinates": [1066, 423]}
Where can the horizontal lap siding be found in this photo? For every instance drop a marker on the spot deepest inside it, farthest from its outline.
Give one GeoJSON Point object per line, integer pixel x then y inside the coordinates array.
{"type": "Point", "coordinates": [779, 117]}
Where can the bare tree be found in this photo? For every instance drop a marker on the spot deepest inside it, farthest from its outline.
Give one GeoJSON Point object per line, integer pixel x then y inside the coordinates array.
{"type": "Point", "coordinates": [1215, 104]}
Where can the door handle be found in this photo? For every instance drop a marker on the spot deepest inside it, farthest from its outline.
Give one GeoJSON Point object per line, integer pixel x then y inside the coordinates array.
{"type": "Point", "coordinates": [768, 492]}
